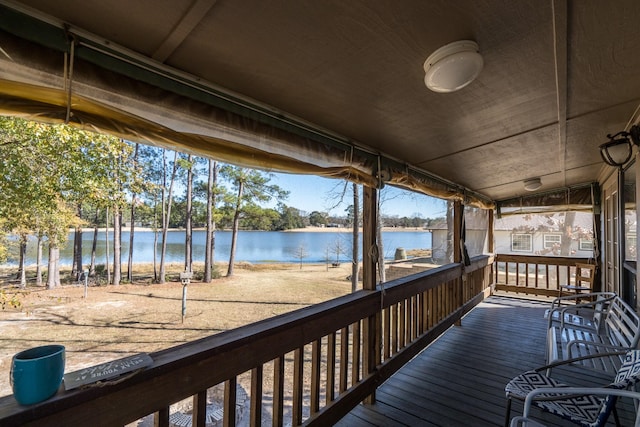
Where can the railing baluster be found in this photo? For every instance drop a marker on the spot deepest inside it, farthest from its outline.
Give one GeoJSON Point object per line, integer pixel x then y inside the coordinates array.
{"type": "Point", "coordinates": [256, 397]}
{"type": "Point", "coordinates": [395, 328]}
{"type": "Point", "coordinates": [403, 325]}
{"type": "Point", "coordinates": [357, 358]}
{"type": "Point", "coordinates": [430, 303]}
{"type": "Point", "coordinates": [161, 418]}
{"type": "Point", "coordinates": [547, 275]}
{"type": "Point", "coordinates": [315, 376]}
{"type": "Point", "coordinates": [230, 389]}
{"type": "Point", "coordinates": [298, 386]}
{"type": "Point", "coordinates": [506, 273]}
{"type": "Point", "coordinates": [330, 391]}
{"type": "Point", "coordinates": [386, 327]}
{"type": "Point", "coordinates": [278, 392]}
{"type": "Point", "coordinates": [199, 416]}
{"type": "Point", "coordinates": [424, 310]}
{"type": "Point", "coordinates": [415, 317]}
{"type": "Point", "coordinates": [344, 359]}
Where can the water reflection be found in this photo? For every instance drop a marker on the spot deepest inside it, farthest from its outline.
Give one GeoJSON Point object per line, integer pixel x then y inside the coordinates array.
{"type": "Point", "coordinates": [253, 246]}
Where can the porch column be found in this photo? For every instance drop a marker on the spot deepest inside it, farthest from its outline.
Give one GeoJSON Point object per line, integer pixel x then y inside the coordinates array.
{"type": "Point", "coordinates": [372, 325]}
{"type": "Point", "coordinates": [369, 227]}
{"type": "Point", "coordinates": [458, 212]}
{"type": "Point", "coordinates": [491, 248]}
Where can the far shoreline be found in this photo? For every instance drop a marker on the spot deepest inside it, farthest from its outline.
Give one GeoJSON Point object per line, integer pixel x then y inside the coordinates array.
{"type": "Point", "coordinates": [292, 230]}
{"type": "Point", "coordinates": [349, 230]}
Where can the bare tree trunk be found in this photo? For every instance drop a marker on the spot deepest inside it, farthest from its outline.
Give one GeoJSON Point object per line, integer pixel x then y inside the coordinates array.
{"type": "Point", "coordinates": [188, 236]}
{"type": "Point", "coordinates": [567, 233]}
{"type": "Point", "coordinates": [39, 261]}
{"type": "Point", "coordinates": [117, 245]}
{"type": "Point", "coordinates": [23, 258]}
{"type": "Point", "coordinates": [53, 273]}
{"type": "Point", "coordinates": [132, 229]}
{"type": "Point", "coordinates": [210, 238]}
{"type": "Point", "coordinates": [76, 270]}
{"type": "Point", "coordinates": [234, 230]}
{"type": "Point", "coordinates": [94, 245]}
{"type": "Point", "coordinates": [155, 241]}
{"type": "Point", "coordinates": [106, 239]}
{"type": "Point", "coordinates": [355, 234]}
{"type": "Point", "coordinates": [167, 215]}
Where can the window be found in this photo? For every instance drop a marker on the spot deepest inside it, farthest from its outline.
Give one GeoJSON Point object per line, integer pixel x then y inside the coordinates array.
{"type": "Point", "coordinates": [551, 240]}
{"type": "Point", "coordinates": [521, 243]}
{"type": "Point", "coordinates": [586, 244]}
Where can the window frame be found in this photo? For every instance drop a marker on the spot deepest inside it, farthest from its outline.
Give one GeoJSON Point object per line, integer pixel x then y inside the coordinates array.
{"type": "Point", "coordinates": [545, 241]}
{"type": "Point", "coordinates": [530, 243]}
{"type": "Point", "coordinates": [588, 242]}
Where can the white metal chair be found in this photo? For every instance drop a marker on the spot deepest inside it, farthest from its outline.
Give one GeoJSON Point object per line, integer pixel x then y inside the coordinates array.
{"type": "Point", "coordinates": [584, 310]}
{"type": "Point", "coordinates": [586, 410]}
{"type": "Point", "coordinates": [554, 393]}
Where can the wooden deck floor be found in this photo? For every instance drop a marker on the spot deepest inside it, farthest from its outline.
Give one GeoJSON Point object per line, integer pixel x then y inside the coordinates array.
{"type": "Point", "coordinates": [459, 380]}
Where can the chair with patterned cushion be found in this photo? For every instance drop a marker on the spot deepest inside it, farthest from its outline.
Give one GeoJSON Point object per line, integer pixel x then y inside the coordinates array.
{"type": "Point", "coordinates": [560, 393]}
{"type": "Point", "coordinates": [584, 410]}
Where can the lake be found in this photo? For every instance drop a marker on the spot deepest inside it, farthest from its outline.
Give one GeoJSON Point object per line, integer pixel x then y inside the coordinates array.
{"type": "Point", "coordinates": [252, 246]}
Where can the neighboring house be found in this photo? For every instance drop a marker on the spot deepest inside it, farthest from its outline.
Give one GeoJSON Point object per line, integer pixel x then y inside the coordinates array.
{"type": "Point", "coordinates": [538, 234]}
{"type": "Point", "coordinates": [533, 234]}
{"type": "Point", "coordinates": [476, 222]}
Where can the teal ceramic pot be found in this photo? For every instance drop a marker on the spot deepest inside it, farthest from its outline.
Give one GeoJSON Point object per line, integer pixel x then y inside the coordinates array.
{"type": "Point", "coordinates": [36, 373]}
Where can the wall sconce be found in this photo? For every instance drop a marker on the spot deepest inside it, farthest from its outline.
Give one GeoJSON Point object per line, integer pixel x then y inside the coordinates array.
{"type": "Point", "coordinates": [618, 150]}
{"type": "Point", "coordinates": [532, 184]}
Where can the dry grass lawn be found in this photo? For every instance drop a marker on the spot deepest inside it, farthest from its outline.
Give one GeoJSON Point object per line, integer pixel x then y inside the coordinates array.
{"type": "Point", "coordinates": [118, 321]}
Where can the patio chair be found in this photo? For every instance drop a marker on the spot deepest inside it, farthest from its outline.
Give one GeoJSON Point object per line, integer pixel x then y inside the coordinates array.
{"type": "Point", "coordinates": [585, 274]}
{"type": "Point", "coordinates": [559, 394]}
{"type": "Point", "coordinates": [585, 409]}
{"type": "Point", "coordinates": [571, 310]}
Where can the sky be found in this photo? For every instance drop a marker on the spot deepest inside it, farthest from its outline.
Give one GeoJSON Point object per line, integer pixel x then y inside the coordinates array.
{"type": "Point", "coordinates": [312, 193]}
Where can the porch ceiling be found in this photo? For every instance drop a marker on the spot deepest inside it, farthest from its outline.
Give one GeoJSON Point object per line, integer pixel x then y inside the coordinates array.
{"type": "Point", "coordinates": [558, 75]}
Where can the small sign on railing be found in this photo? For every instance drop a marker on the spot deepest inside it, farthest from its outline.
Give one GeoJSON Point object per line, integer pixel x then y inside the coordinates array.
{"type": "Point", "coordinates": [106, 371]}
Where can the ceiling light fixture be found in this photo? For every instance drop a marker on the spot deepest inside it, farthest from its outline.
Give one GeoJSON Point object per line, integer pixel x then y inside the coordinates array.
{"type": "Point", "coordinates": [453, 66]}
{"type": "Point", "coordinates": [618, 150]}
{"type": "Point", "coordinates": [532, 184]}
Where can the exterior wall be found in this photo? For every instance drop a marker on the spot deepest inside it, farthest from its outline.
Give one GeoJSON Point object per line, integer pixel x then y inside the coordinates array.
{"type": "Point", "coordinates": [503, 245]}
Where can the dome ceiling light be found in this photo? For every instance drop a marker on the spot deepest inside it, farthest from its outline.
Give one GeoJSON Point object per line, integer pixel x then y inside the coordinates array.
{"type": "Point", "coordinates": [453, 66]}
{"type": "Point", "coordinates": [532, 184]}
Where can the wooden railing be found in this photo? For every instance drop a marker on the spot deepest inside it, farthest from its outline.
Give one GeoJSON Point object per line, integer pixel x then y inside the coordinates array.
{"type": "Point", "coordinates": [535, 275]}
{"type": "Point", "coordinates": [311, 366]}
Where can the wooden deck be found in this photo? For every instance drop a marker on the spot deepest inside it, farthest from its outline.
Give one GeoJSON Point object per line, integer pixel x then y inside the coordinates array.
{"type": "Point", "coordinates": [459, 380]}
